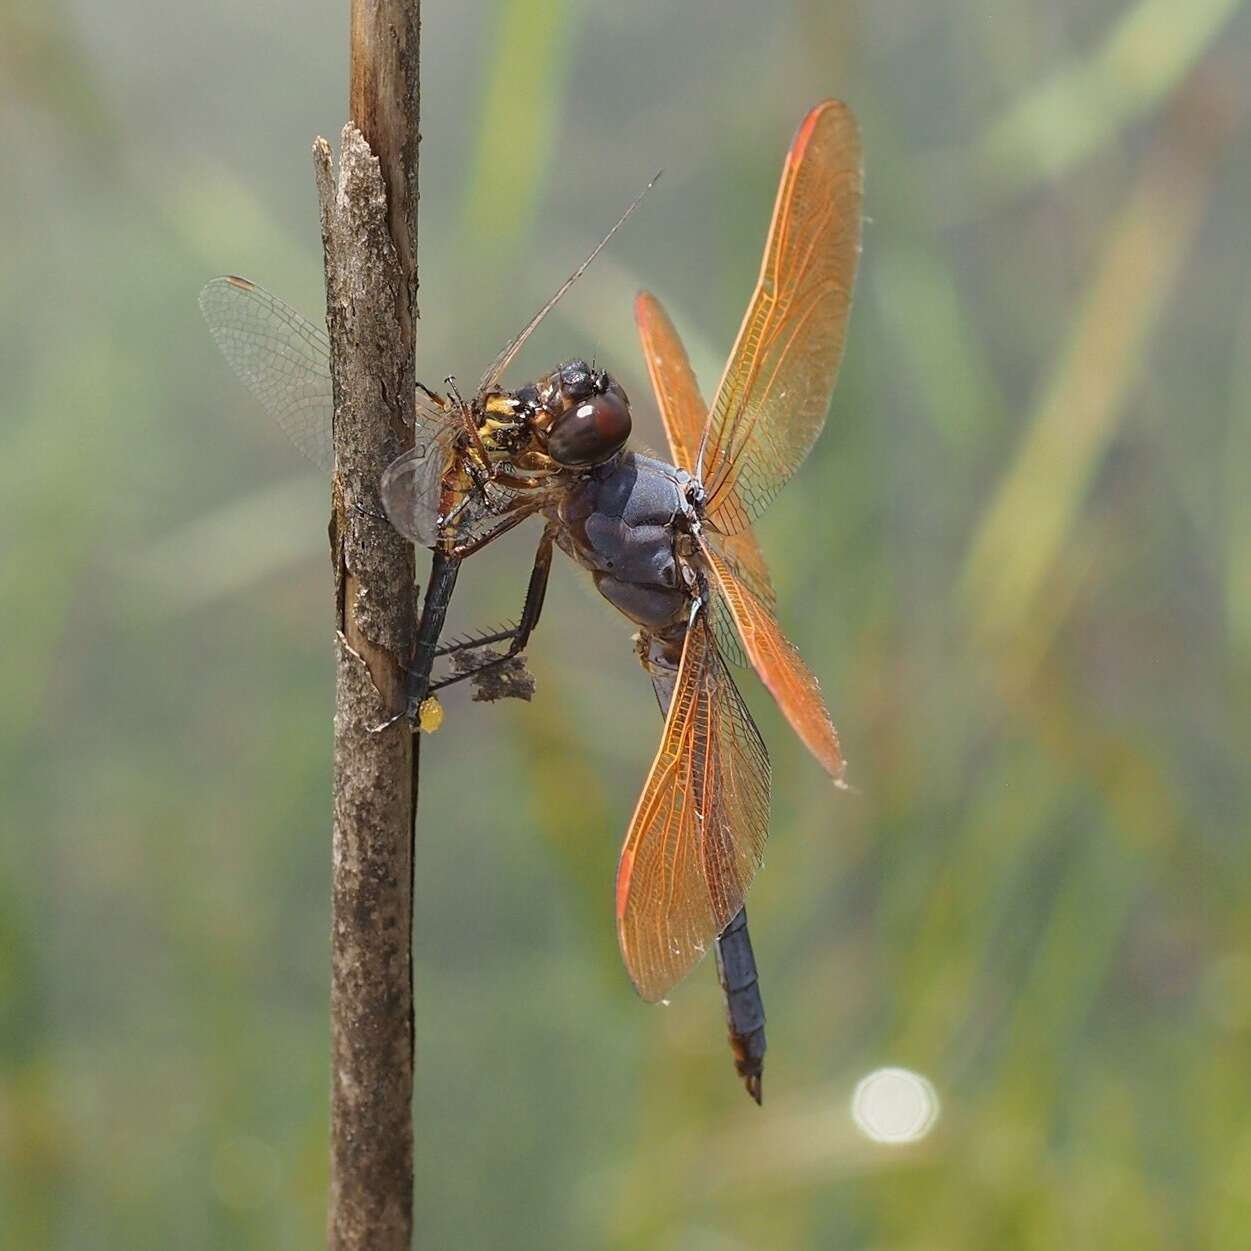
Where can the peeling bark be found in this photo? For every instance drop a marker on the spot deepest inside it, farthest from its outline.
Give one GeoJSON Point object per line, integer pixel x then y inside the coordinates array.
{"type": "Point", "coordinates": [369, 233]}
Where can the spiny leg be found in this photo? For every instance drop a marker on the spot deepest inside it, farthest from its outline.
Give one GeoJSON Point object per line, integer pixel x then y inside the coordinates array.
{"type": "Point", "coordinates": [503, 634]}
{"type": "Point", "coordinates": [513, 515]}
{"type": "Point", "coordinates": [443, 573]}
{"type": "Point", "coordinates": [519, 635]}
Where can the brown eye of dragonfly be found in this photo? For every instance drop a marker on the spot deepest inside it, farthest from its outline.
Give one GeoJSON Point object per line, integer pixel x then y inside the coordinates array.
{"type": "Point", "coordinates": [591, 431]}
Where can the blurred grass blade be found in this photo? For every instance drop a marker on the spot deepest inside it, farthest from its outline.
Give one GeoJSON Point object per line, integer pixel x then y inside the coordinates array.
{"type": "Point", "coordinates": [1024, 534]}
{"type": "Point", "coordinates": [1238, 497]}
{"type": "Point", "coordinates": [526, 70]}
{"type": "Point", "coordinates": [1086, 103]}
{"type": "Point", "coordinates": [235, 549]}
{"type": "Point", "coordinates": [920, 304]}
{"type": "Point", "coordinates": [232, 209]}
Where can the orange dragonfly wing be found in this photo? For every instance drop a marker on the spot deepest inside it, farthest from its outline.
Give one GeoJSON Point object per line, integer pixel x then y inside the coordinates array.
{"type": "Point", "coordinates": [697, 836]}
{"type": "Point", "coordinates": [684, 414]}
{"type": "Point", "coordinates": [746, 561]}
{"type": "Point", "coordinates": [780, 666]}
{"type": "Point", "coordinates": [773, 397]}
{"type": "Point", "coordinates": [682, 408]}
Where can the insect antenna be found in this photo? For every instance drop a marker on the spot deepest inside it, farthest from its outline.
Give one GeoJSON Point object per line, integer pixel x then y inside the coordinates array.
{"type": "Point", "coordinates": [504, 359]}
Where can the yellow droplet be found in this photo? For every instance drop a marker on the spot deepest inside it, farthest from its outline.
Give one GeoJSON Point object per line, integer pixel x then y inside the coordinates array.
{"type": "Point", "coordinates": [430, 714]}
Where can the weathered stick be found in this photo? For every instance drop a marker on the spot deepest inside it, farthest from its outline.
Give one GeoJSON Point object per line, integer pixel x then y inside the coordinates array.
{"type": "Point", "coordinates": [369, 231]}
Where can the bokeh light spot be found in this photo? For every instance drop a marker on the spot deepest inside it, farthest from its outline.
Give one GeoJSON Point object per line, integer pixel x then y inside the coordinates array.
{"type": "Point", "coordinates": [894, 1105]}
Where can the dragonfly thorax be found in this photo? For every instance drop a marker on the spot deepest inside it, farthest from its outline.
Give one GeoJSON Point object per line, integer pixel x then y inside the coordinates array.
{"type": "Point", "coordinates": [624, 523]}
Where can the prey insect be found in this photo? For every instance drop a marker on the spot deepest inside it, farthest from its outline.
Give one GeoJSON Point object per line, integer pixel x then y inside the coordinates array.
{"type": "Point", "coordinates": [477, 467]}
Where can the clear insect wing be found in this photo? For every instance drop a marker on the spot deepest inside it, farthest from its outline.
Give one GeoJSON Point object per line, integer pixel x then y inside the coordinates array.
{"type": "Point", "coordinates": [412, 491]}
{"type": "Point", "coordinates": [282, 358]}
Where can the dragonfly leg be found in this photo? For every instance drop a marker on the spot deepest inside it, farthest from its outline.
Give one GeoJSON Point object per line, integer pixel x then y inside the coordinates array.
{"type": "Point", "coordinates": [434, 611]}
{"type": "Point", "coordinates": [515, 518]}
{"type": "Point", "coordinates": [531, 610]}
{"type": "Point", "coordinates": [505, 635]}
{"type": "Point", "coordinates": [439, 589]}
{"type": "Point", "coordinates": [443, 573]}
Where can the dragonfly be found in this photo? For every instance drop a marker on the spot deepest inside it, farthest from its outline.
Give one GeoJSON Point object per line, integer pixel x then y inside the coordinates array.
{"type": "Point", "coordinates": [697, 836]}
{"type": "Point", "coordinates": [477, 467]}
{"type": "Point", "coordinates": [669, 544]}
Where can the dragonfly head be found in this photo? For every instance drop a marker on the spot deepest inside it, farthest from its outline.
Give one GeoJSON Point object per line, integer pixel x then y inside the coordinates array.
{"type": "Point", "coordinates": [585, 415]}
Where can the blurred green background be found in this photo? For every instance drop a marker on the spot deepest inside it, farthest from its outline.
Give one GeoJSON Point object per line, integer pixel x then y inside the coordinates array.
{"type": "Point", "coordinates": [1020, 558]}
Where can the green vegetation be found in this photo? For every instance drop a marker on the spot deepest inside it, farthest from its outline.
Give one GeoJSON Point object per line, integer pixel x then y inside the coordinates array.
{"type": "Point", "coordinates": [1020, 558]}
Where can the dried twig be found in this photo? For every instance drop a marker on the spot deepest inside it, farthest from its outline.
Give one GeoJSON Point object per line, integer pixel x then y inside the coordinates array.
{"type": "Point", "coordinates": [369, 231]}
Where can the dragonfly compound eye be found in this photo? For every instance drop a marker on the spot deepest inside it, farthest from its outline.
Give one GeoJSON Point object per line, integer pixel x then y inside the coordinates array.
{"type": "Point", "coordinates": [592, 431]}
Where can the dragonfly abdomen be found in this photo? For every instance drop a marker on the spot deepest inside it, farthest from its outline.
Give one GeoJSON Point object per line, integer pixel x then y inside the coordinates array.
{"type": "Point", "coordinates": [744, 1008]}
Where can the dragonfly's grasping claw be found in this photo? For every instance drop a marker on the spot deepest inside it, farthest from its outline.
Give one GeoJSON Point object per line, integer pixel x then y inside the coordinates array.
{"type": "Point", "coordinates": [362, 511]}
{"type": "Point", "coordinates": [450, 383]}
{"type": "Point", "coordinates": [389, 722]}
{"type": "Point", "coordinates": [426, 715]}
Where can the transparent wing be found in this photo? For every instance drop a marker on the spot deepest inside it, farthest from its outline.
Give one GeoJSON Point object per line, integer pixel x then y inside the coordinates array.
{"type": "Point", "coordinates": [490, 379]}
{"type": "Point", "coordinates": [698, 833]}
{"type": "Point", "coordinates": [412, 489]}
{"type": "Point", "coordinates": [428, 498]}
{"type": "Point", "coordinates": [283, 358]}
{"type": "Point", "coordinates": [780, 666]}
{"type": "Point", "coordinates": [774, 394]}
